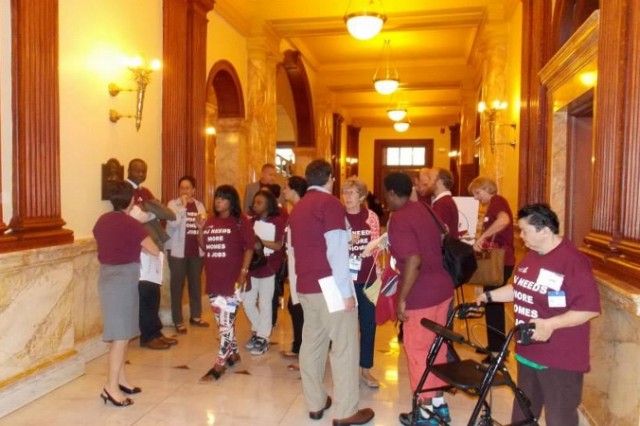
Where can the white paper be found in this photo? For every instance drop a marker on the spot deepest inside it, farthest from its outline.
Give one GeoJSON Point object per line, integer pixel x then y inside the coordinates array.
{"type": "Point", "coordinates": [468, 208]}
{"type": "Point", "coordinates": [331, 293]}
{"type": "Point", "coordinates": [550, 279]}
{"type": "Point", "coordinates": [265, 231]}
{"type": "Point", "coordinates": [151, 267]}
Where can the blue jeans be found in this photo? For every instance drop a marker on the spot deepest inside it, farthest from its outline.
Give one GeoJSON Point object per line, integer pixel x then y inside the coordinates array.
{"type": "Point", "coordinates": [367, 321]}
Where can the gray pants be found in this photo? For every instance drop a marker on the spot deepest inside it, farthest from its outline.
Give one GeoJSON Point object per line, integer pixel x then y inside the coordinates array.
{"type": "Point", "coordinates": [341, 330]}
{"type": "Point", "coordinates": [191, 268]}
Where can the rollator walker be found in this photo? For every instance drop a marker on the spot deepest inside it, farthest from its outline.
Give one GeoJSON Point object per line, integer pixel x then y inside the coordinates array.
{"type": "Point", "coordinates": [470, 376]}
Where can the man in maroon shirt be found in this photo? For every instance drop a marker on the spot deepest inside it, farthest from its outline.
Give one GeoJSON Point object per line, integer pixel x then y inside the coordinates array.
{"type": "Point", "coordinates": [149, 321]}
{"type": "Point", "coordinates": [326, 292]}
{"type": "Point", "coordinates": [440, 182]}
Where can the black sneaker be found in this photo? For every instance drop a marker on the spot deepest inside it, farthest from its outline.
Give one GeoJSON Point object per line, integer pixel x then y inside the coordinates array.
{"type": "Point", "coordinates": [251, 343]}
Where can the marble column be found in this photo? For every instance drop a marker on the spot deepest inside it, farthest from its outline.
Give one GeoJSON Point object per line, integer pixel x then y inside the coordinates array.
{"type": "Point", "coordinates": [468, 126]}
{"type": "Point", "coordinates": [261, 107]}
{"type": "Point", "coordinates": [322, 105]}
{"type": "Point", "coordinates": [494, 81]}
{"type": "Point", "coordinates": [233, 157]}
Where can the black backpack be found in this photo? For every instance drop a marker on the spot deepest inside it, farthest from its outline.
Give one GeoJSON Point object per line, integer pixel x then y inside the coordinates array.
{"type": "Point", "coordinates": [458, 257]}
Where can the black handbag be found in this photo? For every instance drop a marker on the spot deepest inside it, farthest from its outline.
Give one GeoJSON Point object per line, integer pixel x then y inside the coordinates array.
{"type": "Point", "coordinates": [458, 257]}
{"type": "Point", "coordinates": [259, 259]}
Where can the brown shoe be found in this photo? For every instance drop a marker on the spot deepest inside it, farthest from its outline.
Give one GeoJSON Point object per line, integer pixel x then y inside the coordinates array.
{"type": "Point", "coordinates": [361, 417]}
{"type": "Point", "coordinates": [156, 343]}
{"type": "Point", "coordinates": [168, 340]}
{"type": "Point", "coordinates": [233, 359]}
{"type": "Point", "coordinates": [317, 415]}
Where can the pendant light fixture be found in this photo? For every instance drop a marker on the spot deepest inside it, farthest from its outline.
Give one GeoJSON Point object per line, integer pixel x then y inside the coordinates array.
{"type": "Point", "coordinates": [386, 80]}
{"type": "Point", "coordinates": [401, 126]}
{"type": "Point", "coordinates": [366, 22]}
{"type": "Point", "coordinates": [397, 107]}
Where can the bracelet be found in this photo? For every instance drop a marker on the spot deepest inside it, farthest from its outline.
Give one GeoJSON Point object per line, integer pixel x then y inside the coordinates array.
{"type": "Point", "coordinates": [487, 294]}
{"type": "Point", "coordinates": [245, 270]}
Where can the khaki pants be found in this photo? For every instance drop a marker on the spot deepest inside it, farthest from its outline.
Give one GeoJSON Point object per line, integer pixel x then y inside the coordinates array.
{"type": "Point", "coordinates": [321, 328]}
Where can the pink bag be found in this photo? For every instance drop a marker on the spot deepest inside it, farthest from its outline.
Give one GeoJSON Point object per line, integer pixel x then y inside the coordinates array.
{"type": "Point", "coordinates": [388, 298]}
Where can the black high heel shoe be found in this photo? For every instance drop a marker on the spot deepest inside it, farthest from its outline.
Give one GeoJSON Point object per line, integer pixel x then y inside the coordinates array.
{"type": "Point", "coordinates": [106, 396]}
{"type": "Point", "coordinates": [130, 391]}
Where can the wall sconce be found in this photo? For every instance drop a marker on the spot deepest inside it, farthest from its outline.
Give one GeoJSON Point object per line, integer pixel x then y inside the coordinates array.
{"type": "Point", "coordinates": [365, 23]}
{"type": "Point", "coordinates": [141, 75]}
{"type": "Point", "coordinates": [491, 113]}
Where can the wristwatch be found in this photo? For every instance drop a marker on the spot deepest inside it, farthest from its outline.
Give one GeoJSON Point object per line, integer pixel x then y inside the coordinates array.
{"type": "Point", "coordinates": [487, 294]}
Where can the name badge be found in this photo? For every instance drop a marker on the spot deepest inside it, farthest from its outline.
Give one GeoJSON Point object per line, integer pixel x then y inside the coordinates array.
{"type": "Point", "coordinates": [550, 279]}
{"type": "Point", "coordinates": [355, 263]}
{"type": "Point", "coordinates": [557, 299]}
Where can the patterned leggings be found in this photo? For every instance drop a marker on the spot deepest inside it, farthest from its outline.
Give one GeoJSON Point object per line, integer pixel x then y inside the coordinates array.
{"type": "Point", "coordinates": [226, 319]}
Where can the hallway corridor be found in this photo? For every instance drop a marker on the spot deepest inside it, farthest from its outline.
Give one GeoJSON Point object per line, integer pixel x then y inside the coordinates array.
{"type": "Point", "coordinates": [259, 391]}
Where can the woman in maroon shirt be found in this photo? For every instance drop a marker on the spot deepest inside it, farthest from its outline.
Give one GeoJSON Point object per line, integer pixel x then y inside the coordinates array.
{"type": "Point", "coordinates": [269, 227]}
{"type": "Point", "coordinates": [227, 240]}
{"type": "Point", "coordinates": [497, 231]}
{"type": "Point", "coordinates": [120, 238]}
{"type": "Point", "coordinates": [365, 227]}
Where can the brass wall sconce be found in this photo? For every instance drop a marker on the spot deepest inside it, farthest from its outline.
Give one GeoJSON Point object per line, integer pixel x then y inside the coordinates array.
{"type": "Point", "coordinates": [141, 75]}
{"type": "Point", "coordinates": [491, 113]}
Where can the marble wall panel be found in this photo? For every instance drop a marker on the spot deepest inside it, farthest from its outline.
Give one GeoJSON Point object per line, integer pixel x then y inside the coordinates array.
{"type": "Point", "coordinates": [558, 166]}
{"type": "Point", "coordinates": [612, 387]}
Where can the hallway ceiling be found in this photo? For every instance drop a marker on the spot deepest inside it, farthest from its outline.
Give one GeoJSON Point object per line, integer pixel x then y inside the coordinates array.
{"type": "Point", "coordinates": [431, 42]}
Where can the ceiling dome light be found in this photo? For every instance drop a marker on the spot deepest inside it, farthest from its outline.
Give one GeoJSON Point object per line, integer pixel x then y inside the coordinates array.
{"type": "Point", "coordinates": [397, 114]}
{"type": "Point", "coordinates": [364, 26]}
{"type": "Point", "coordinates": [386, 86]}
{"type": "Point", "coordinates": [386, 80]}
{"type": "Point", "coordinates": [401, 126]}
{"type": "Point", "coordinates": [364, 18]}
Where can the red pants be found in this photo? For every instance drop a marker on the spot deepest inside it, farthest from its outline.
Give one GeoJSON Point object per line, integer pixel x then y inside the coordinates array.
{"type": "Point", "coordinates": [417, 342]}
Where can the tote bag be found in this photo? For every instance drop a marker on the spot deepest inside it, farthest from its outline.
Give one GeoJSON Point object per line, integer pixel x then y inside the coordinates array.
{"type": "Point", "coordinates": [490, 270]}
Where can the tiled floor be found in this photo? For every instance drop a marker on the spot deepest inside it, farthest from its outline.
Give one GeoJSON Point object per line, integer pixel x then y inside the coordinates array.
{"type": "Point", "coordinates": [259, 391]}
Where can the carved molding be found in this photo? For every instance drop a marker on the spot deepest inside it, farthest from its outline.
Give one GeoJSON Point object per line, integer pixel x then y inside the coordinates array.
{"type": "Point", "coordinates": [578, 51]}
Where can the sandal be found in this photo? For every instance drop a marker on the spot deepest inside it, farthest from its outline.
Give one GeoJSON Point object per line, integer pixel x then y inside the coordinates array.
{"type": "Point", "coordinates": [198, 322]}
{"type": "Point", "coordinates": [233, 359]}
{"type": "Point", "coordinates": [181, 329]}
{"type": "Point", "coordinates": [213, 374]}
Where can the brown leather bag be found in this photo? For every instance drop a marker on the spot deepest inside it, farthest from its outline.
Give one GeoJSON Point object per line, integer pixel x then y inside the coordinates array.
{"type": "Point", "coordinates": [490, 270]}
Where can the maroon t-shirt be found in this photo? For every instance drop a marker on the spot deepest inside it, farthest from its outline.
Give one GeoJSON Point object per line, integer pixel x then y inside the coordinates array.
{"type": "Point", "coordinates": [142, 194]}
{"type": "Point", "coordinates": [447, 211]}
{"type": "Point", "coordinates": [411, 232]}
{"type": "Point", "coordinates": [504, 238]}
{"type": "Point", "coordinates": [315, 214]}
{"type": "Point", "coordinates": [568, 348]}
{"type": "Point", "coordinates": [225, 241]}
{"type": "Point", "coordinates": [118, 237]}
{"type": "Point", "coordinates": [274, 260]}
{"type": "Point", "coordinates": [191, 248]}
{"type": "Point", "coordinates": [359, 226]}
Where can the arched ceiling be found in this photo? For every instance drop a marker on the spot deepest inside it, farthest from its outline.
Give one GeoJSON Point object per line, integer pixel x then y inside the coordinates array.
{"type": "Point", "coordinates": [431, 42]}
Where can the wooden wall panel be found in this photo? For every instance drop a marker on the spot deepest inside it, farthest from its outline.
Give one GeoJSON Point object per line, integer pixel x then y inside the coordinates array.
{"type": "Point", "coordinates": [630, 203]}
{"type": "Point", "coordinates": [37, 219]}
{"type": "Point", "coordinates": [183, 92]}
{"type": "Point", "coordinates": [174, 95]}
{"type": "Point", "coordinates": [608, 135]}
{"type": "Point", "coordinates": [536, 51]}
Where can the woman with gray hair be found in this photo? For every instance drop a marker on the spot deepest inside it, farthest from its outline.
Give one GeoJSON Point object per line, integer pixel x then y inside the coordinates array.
{"type": "Point", "coordinates": [365, 227]}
